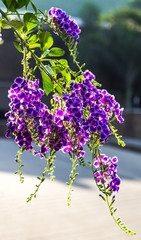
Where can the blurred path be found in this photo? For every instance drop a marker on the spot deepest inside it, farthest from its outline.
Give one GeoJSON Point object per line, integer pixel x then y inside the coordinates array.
{"type": "Point", "coordinates": [48, 217]}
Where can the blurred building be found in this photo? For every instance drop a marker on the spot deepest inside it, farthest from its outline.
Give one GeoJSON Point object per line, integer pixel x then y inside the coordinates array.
{"type": "Point", "coordinates": [10, 67]}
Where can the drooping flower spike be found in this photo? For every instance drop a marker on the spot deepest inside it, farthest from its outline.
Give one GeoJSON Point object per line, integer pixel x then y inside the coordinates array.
{"type": "Point", "coordinates": [63, 23]}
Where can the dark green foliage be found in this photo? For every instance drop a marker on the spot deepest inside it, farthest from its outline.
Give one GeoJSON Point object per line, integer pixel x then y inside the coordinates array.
{"type": "Point", "coordinates": [90, 14]}
{"type": "Point", "coordinates": [12, 5]}
{"type": "Point", "coordinates": [104, 5]}
{"type": "Point", "coordinates": [135, 4]}
{"type": "Point", "coordinates": [113, 51]}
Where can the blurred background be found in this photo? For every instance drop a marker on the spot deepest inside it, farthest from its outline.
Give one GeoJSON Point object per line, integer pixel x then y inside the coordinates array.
{"type": "Point", "coordinates": [109, 45]}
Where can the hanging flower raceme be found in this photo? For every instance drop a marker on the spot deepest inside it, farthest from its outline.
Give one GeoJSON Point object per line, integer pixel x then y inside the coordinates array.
{"type": "Point", "coordinates": [91, 108]}
{"type": "Point", "coordinates": [51, 130]}
{"type": "Point", "coordinates": [80, 115]}
{"type": "Point", "coordinates": [63, 23]}
{"type": "Point", "coordinates": [107, 172]}
{"type": "Point", "coordinates": [25, 106]}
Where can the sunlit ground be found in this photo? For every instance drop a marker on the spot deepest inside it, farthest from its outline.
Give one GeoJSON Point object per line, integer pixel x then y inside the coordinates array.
{"type": "Point", "coordinates": [49, 217]}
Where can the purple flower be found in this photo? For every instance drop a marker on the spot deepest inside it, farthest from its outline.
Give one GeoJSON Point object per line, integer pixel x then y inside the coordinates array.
{"type": "Point", "coordinates": [85, 108]}
{"type": "Point", "coordinates": [52, 130]}
{"type": "Point", "coordinates": [106, 171]}
{"type": "Point", "coordinates": [63, 23]}
{"type": "Point", "coordinates": [25, 106]}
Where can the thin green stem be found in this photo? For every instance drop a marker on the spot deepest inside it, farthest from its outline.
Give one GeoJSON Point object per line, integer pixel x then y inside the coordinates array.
{"type": "Point", "coordinates": [18, 15]}
{"type": "Point", "coordinates": [49, 167]}
{"type": "Point", "coordinates": [4, 15]}
{"type": "Point", "coordinates": [117, 220]}
{"type": "Point", "coordinates": [24, 63]}
{"type": "Point", "coordinates": [18, 160]}
{"type": "Point", "coordinates": [72, 177]}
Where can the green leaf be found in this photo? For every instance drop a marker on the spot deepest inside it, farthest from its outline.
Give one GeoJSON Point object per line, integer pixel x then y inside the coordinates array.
{"type": "Point", "coordinates": [80, 78]}
{"type": "Point", "coordinates": [18, 47]}
{"type": "Point", "coordinates": [18, 25]}
{"type": "Point", "coordinates": [34, 7]}
{"type": "Point", "coordinates": [46, 41]}
{"type": "Point", "coordinates": [41, 12]}
{"type": "Point", "coordinates": [56, 52]}
{"type": "Point", "coordinates": [27, 2]}
{"type": "Point", "coordinates": [102, 197]}
{"type": "Point", "coordinates": [47, 83]}
{"type": "Point", "coordinates": [63, 63]}
{"type": "Point", "coordinates": [56, 70]}
{"type": "Point", "coordinates": [59, 90]}
{"type": "Point", "coordinates": [33, 38]}
{"type": "Point", "coordinates": [67, 75]}
{"type": "Point", "coordinates": [4, 24]}
{"type": "Point", "coordinates": [34, 45]}
{"type": "Point", "coordinates": [30, 22]}
{"type": "Point", "coordinates": [12, 5]}
{"type": "Point", "coordinates": [7, 3]}
{"type": "Point", "coordinates": [22, 3]}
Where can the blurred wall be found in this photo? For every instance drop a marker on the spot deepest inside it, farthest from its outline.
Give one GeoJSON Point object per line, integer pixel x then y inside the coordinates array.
{"type": "Point", "coordinates": [10, 67]}
{"type": "Point", "coordinates": [132, 124]}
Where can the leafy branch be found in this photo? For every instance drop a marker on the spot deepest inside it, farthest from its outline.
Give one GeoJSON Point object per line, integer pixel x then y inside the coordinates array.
{"type": "Point", "coordinates": [118, 221]}
{"type": "Point", "coordinates": [118, 137]}
{"type": "Point", "coordinates": [106, 195]}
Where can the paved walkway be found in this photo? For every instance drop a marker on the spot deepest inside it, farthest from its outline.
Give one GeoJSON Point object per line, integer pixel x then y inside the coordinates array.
{"type": "Point", "coordinates": [131, 143]}
{"type": "Point", "coordinates": [48, 217]}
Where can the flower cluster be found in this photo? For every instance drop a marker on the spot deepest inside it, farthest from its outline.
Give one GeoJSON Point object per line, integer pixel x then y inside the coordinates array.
{"type": "Point", "coordinates": [51, 131]}
{"type": "Point", "coordinates": [25, 107]}
{"type": "Point", "coordinates": [63, 23]}
{"type": "Point", "coordinates": [82, 113]}
{"type": "Point", "coordinates": [85, 113]}
{"type": "Point", "coordinates": [91, 108]}
{"type": "Point", "coordinates": [107, 172]}
{"type": "Point", "coordinates": [106, 100]}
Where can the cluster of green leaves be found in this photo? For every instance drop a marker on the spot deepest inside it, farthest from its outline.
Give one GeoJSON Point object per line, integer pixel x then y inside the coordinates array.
{"type": "Point", "coordinates": [30, 36]}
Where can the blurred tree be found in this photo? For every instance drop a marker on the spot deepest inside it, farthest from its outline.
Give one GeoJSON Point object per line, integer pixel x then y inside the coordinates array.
{"type": "Point", "coordinates": [90, 14]}
{"type": "Point", "coordinates": [135, 4]}
{"type": "Point", "coordinates": [127, 23]}
{"type": "Point", "coordinates": [113, 50]}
